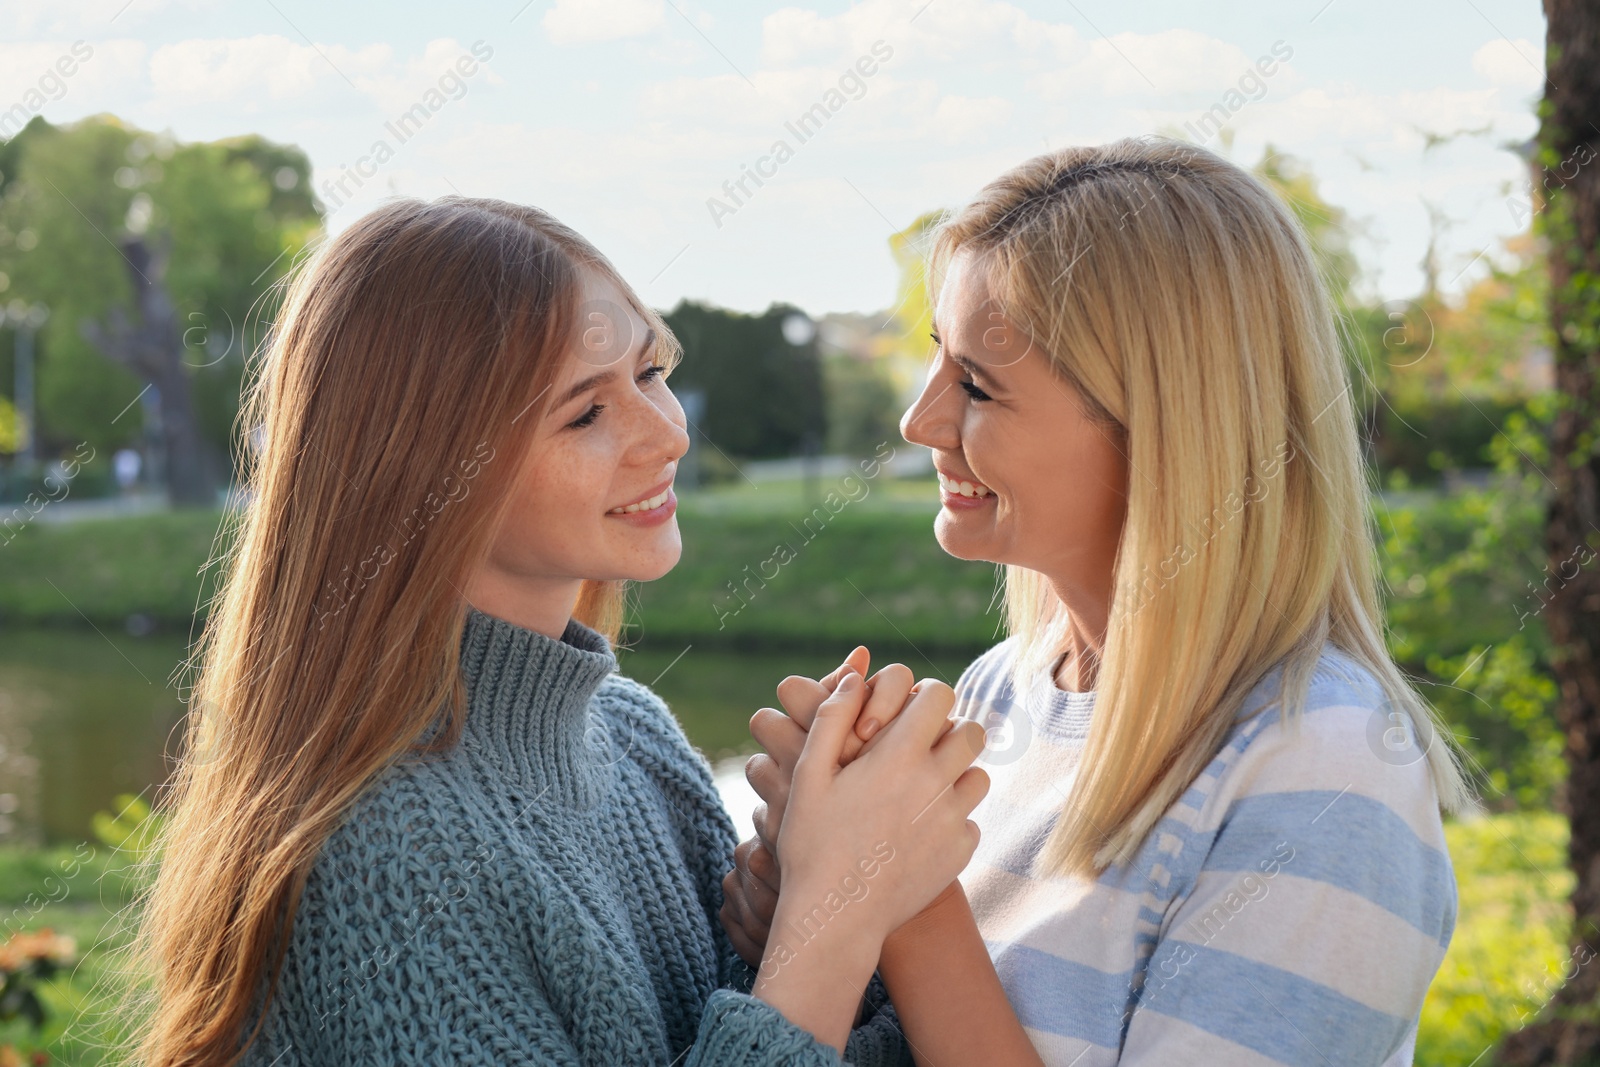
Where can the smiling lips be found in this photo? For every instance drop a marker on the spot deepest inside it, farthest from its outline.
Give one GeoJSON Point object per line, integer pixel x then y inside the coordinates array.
{"type": "Point", "coordinates": [956, 487]}
{"type": "Point", "coordinates": [649, 503]}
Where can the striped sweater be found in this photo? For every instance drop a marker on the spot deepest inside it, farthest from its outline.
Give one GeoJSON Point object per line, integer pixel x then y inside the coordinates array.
{"type": "Point", "coordinates": [1290, 908]}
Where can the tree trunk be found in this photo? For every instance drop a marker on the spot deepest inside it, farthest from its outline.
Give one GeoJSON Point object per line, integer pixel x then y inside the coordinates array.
{"type": "Point", "coordinates": [153, 349]}
{"type": "Point", "coordinates": [1568, 1031]}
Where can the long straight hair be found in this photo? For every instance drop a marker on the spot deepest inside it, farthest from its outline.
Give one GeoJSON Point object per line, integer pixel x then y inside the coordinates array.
{"type": "Point", "coordinates": [1181, 300]}
{"type": "Point", "coordinates": [401, 387]}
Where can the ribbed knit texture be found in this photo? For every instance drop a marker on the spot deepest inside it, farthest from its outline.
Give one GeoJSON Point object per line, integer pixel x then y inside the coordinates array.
{"type": "Point", "coordinates": [546, 892]}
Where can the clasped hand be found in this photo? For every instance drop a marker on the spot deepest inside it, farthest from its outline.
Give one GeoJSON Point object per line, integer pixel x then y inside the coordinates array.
{"type": "Point", "coordinates": [841, 790]}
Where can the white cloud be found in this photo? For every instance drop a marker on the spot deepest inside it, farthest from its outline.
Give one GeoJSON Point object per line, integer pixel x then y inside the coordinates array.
{"type": "Point", "coordinates": [1376, 124]}
{"type": "Point", "coordinates": [1515, 64]}
{"type": "Point", "coordinates": [588, 21]}
{"type": "Point", "coordinates": [1130, 64]}
{"type": "Point", "coordinates": [987, 30]}
{"type": "Point", "coordinates": [966, 118]}
{"type": "Point", "coordinates": [87, 19]}
{"type": "Point", "coordinates": [630, 153]}
{"type": "Point", "coordinates": [243, 69]}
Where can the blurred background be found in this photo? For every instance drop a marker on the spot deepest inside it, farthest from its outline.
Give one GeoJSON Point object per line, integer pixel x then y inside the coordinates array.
{"type": "Point", "coordinates": [768, 179]}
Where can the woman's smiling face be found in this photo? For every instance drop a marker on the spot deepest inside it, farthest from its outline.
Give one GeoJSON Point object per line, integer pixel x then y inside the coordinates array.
{"type": "Point", "coordinates": [1026, 476]}
{"type": "Point", "coordinates": [593, 498]}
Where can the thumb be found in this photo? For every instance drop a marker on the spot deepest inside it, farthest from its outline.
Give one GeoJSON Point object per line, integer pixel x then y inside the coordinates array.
{"type": "Point", "coordinates": [835, 719]}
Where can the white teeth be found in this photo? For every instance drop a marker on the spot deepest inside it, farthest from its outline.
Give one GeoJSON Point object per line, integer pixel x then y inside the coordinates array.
{"type": "Point", "coordinates": [964, 488]}
{"type": "Point", "coordinates": [645, 505]}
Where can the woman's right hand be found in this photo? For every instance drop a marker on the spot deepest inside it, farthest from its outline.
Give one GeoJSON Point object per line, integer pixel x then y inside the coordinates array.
{"type": "Point", "coordinates": [865, 847]}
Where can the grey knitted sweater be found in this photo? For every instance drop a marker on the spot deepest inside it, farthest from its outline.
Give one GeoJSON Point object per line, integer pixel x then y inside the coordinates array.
{"type": "Point", "coordinates": [546, 892]}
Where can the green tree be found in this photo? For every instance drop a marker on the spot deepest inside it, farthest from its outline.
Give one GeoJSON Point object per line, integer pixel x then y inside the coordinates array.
{"type": "Point", "coordinates": [1568, 1031]}
{"type": "Point", "coordinates": [763, 393]}
{"type": "Point", "coordinates": [225, 219]}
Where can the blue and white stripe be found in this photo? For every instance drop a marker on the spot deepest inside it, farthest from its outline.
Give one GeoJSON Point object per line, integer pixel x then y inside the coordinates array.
{"type": "Point", "coordinates": [1290, 908]}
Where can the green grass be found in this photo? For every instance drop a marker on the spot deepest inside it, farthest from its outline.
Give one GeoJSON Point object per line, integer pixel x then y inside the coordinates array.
{"type": "Point", "coordinates": [104, 570]}
{"type": "Point", "coordinates": [83, 892]}
{"type": "Point", "coordinates": [1508, 947]}
{"type": "Point", "coordinates": [1510, 944]}
{"type": "Point", "coordinates": [862, 570]}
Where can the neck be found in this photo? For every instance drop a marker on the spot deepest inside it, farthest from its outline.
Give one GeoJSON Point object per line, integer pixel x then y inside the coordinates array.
{"type": "Point", "coordinates": [1087, 614]}
{"type": "Point", "coordinates": [536, 603]}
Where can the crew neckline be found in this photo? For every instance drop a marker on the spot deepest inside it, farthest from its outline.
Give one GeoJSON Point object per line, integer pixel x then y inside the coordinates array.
{"type": "Point", "coordinates": [1062, 714]}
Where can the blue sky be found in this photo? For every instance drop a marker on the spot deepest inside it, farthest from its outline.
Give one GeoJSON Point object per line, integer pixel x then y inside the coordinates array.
{"type": "Point", "coordinates": [626, 117]}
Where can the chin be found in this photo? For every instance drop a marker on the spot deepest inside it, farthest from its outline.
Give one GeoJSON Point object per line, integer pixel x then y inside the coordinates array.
{"type": "Point", "coordinates": [654, 565]}
{"type": "Point", "coordinates": [959, 543]}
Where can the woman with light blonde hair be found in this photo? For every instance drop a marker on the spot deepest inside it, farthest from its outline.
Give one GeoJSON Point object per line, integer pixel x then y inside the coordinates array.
{"type": "Point", "coordinates": [1214, 829]}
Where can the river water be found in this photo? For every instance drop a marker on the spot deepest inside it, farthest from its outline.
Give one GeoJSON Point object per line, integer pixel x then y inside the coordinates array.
{"type": "Point", "coordinates": [87, 714]}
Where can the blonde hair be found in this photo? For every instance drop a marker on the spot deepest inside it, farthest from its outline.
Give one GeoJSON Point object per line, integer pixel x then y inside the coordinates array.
{"type": "Point", "coordinates": [404, 380]}
{"type": "Point", "coordinates": [1181, 300]}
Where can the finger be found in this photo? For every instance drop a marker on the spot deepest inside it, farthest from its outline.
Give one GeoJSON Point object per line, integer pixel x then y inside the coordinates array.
{"type": "Point", "coordinates": [748, 949]}
{"type": "Point", "coordinates": [968, 790]}
{"type": "Point", "coordinates": [747, 891]}
{"type": "Point", "coordinates": [878, 734]}
{"type": "Point", "coordinates": [762, 869]}
{"type": "Point", "coordinates": [801, 696]}
{"type": "Point", "coordinates": [858, 660]}
{"type": "Point", "coordinates": [889, 690]}
{"type": "Point", "coordinates": [762, 902]}
{"type": "Point", "coordinates": [767, 778]}
{"type": "Point", "coordinates": [745, 913]}
{"type": "Point", "coordinates": [733, 908]}
{"type": "Point", "coordinates": [960, 745]}
{"type": "Point", "coordinates": [780, 735]}
{"type": "Point", "coordinates": [890, 687]}
{"type": "Point", "coordinates": [835, 718]}
{"type": "Point", "coordinates": [924, 718]}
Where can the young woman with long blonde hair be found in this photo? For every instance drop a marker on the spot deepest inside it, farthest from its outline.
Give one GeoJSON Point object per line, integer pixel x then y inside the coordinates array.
{"type": "Point", "coordinates": [421, 819]}
{"type": "Point", "coordinates": [1214, 831]}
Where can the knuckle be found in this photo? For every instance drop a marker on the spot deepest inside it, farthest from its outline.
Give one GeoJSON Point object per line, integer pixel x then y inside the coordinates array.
{"type": "Point", "coordinates": [760, 860]}
{"type": "Point", "coordinates": [895, 674]}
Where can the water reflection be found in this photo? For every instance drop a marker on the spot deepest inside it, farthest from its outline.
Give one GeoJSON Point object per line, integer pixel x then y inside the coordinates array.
{"type": "Point", "coordinates": [85, 716]}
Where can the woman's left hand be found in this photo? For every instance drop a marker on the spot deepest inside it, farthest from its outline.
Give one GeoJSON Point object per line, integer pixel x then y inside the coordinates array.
{"type": "Point", "coordinates": [750, 889]}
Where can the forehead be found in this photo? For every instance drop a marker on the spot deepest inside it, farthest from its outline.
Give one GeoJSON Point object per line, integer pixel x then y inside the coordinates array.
{"type": "Point", "coordinates": [608, 328]}
{"type": "Point", "coordinates": [963, 291]}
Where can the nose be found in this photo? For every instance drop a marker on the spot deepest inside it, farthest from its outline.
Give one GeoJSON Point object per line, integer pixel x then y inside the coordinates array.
{"type": "Point", "coordinates": [931, 419]}
{"type": "Point", "coordinates": [663, 429]}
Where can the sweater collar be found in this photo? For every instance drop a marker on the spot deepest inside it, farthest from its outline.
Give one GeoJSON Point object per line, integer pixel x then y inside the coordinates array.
{"type": "Point", "coordinates": [528, 706]}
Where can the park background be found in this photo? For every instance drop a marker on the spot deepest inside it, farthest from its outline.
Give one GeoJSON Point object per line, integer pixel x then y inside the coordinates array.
{"type": "Point", "coordinates": [164, 165]}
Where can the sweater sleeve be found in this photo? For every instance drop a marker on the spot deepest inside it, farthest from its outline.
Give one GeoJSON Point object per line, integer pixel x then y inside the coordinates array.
{"type": "Point", "coordinates": [1320, 913]}
{"type": "Point", "coordinates": [708, 839]}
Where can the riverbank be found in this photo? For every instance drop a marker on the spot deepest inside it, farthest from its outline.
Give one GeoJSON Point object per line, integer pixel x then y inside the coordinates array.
{"type": "Point", "coordinates": [762, 568]}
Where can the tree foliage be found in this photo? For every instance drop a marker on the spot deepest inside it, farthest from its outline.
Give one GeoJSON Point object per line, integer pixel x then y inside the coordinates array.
{"type": "Point", "coordinates": [763, 394]}
{"type": "Point", "coordinates": [234, 215]}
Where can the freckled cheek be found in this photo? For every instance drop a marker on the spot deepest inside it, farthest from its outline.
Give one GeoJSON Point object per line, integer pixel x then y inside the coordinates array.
{"type": "Point", "coordinates": [571, 482]}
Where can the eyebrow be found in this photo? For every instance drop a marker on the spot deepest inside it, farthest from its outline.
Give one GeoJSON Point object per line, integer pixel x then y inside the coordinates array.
{"type": "Point", "coordinates": [593, 380]}
{"type": "Point", "coordinates": [972, 369]}
{"type": "Point", "coordinates": [982, 374]}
